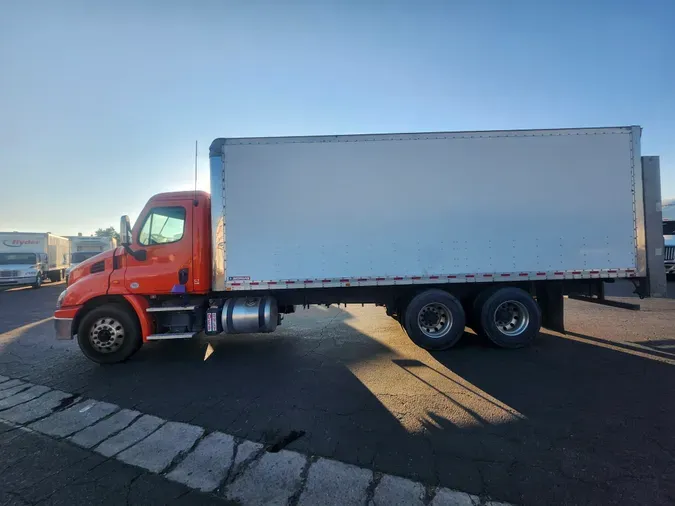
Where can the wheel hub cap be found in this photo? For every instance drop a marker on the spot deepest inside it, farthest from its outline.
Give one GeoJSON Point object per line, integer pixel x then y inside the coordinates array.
{"type": "Point", "coordinates": [511, 318]}
{"type": "Point", "coordinates": [106, 335]}
{"type": "Point", "coordinates": [434, 320]}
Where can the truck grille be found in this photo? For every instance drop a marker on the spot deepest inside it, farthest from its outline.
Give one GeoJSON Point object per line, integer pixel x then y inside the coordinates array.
{"type": "Point", "coordinates": [9, 274]}
{"type": "Point", "coordinates": [669, 253]}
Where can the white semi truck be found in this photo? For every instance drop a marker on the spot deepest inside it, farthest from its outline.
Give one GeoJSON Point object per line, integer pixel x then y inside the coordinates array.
{"type": "Point", "coordinates": [83, 247]}
{"type": "Point", "coordinates": [28, 258]}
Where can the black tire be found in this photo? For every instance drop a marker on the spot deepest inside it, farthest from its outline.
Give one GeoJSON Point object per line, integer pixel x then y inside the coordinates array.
{"type": "Point", "coordinates": [434, 303]}
{"type": "Point", "coordinates": [518, 322]}
{"type": "Point", "coordinates": [55, 276]}
{"type": "Point", "coordinates": [116, 319]}
{"type": "Point", "coordinates": [38, 281]}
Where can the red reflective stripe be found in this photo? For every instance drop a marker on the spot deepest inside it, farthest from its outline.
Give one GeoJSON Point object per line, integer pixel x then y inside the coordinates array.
{"type": "Point", "coordinates": [236, 284]}
{"type": "Point", "coordinates": [362, 279]}
{"type": "Point", "coordinates": [289, 282]}
{"type": "Point", "coordinates": [576, 272]}
{"type": "Point", "coordinates": [487, 275]}
{"type": "Point", "coordinates": [469, 275]}
{"type": "Point", "coordinates": [344, 280]}
{"type": "Point", "coordinates": [595, 272]}
{"type": "Point", "coordinates": [506, 275]}
{"type": "Point", "coordinates": [309, 281]}
{"type": "Point", "coordinates": [452, 276]}
{"type": "Point", "coordinates": [379, 279]}
{"type": "Point", "coordinates": [433, 277]}
{"type": "Point", "coordinates": [541, 274]}
{"type": "Point", "coordinates": [272, 283]}
{"type": "Point", "coordinates": [559, 273]}
{"type": "Point", "coordinates": [398, 278]}
{"type": "Point", "coordinates": [325, 280]}
{"type": "Point", "coordinates": [416, 277]}
{"type": "Point", "coordinates": [254, 283]}
{"type": "Point", "coordinates": [612, 271]}
{"type": "Point", "coordinates": [630, 270]}
{"type": "Point", "coordinates": [523, 274]}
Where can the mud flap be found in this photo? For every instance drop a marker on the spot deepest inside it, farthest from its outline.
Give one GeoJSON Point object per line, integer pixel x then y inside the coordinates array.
{"type": "Point", "coordinates": [550, 299]}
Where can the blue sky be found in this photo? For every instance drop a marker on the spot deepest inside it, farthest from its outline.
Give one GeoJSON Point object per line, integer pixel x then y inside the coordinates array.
{"type": "Point", "coordinates": [101, 102]}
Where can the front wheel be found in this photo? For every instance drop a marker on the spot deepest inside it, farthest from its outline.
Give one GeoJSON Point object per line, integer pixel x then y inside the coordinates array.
{"type": "Point", "coordinates": [38, 281]}
{"type": "Point", "coordinates": [109, 334]}
{"type": "Point", "coordinates": [509, 317]}
{"type": "Point", "coordinates": [434, 320]}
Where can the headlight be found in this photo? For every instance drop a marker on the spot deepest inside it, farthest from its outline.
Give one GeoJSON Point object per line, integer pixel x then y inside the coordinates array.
{"type": "Point", "coordinates": [59, 301]}
{"type": "Point", "coordinates": [29, 273]}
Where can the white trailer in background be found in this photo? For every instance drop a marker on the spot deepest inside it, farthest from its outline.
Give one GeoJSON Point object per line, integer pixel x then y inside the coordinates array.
{"type": "Point", "coordinates": [28, 258]}
{"type": "Point", "coordinates": [83, 247]}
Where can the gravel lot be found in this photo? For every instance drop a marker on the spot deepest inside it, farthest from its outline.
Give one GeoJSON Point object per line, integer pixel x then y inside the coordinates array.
{"type": "Point", "coordinates": [577, 419]}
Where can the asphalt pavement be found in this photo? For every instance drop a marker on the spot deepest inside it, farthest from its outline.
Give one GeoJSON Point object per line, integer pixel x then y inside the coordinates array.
{"type": "Point", "coordinates": [584, 418]}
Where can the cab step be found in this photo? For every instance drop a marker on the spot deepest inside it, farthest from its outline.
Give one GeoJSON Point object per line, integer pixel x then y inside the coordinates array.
{"type": "Point", "coordinates": [175, 335]}
{"type": "Point", "coordinates": [168, 309]}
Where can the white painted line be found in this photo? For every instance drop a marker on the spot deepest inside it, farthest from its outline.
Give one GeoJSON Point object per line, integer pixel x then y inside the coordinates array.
{"type": "Point", "coordinates": [141, 428]}
{"type": "Point", "coordinates": [3, 378]}
{"type": "Point", "coordinates": [23, 396]}
{"type": "Point", "coordinates": [74, 419]}
{"type": "Point", "coordinates": [396, 491]}
{"type": "Point", "coordinates": [271, 480]}
{"type": "Point", "coordinates": [37, 408]}
{"type": "Point", "coordinates": [207, 465]}
{"type": "Point", "coordinates": [91, 436]}
{"type": "Point", "coordinates": [158, 450]}
{"type": "Point", "coordinates": [333, 483]}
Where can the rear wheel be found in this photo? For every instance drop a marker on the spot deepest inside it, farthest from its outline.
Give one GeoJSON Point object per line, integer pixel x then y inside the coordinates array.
{"type": "Point", "coordinates": [109, 334]}
{"type": "Point", "coordinates": [509, 317]}
{"type": "Point", "coordinates": [434, 320]}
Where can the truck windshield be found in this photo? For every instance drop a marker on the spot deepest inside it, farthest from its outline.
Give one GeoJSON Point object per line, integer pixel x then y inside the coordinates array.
{"type": "Point", "coordinates": [669, 227]}
{"type": "Point", "coordinates": [81, 256]}
{"type": "Point", "coordinates": [17, 258]}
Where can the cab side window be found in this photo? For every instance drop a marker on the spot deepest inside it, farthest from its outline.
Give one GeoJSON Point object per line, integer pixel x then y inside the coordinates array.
{"type": "Point", "coordinates": [163, 225]}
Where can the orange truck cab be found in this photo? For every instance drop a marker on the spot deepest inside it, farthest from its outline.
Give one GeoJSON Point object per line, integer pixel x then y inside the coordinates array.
{"type": "Point", "coordinates": [166, 256]}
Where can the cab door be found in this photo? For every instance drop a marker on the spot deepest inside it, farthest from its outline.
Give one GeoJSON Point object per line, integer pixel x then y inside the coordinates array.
{"type": "Point", "coordinates": [164, 233]}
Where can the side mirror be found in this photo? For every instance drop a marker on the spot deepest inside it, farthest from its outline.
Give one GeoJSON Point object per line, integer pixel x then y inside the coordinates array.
{"type": "Point", "coordinates": [125, 231]}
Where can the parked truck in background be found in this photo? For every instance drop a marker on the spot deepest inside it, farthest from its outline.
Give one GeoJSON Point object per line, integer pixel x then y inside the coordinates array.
{"type": "Point", "coordinates": [30, 258]}
{"type": "Point", "coordinates": [668, 212]}
{"type": "Point", "coordinates": [445, 230]}
{"type": "Point", "coordinates": [83, 247]}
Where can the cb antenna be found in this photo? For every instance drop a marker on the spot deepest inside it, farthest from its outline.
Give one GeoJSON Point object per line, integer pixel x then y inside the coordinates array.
{"type": "Point", "coordinates": [195, 194]}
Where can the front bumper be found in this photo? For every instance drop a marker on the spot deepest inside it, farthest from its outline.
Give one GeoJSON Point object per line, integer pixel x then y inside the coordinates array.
{"type": "Point", "coordinates": [17, 281]}
{"type": "Point", "coordinates": [63, 322]}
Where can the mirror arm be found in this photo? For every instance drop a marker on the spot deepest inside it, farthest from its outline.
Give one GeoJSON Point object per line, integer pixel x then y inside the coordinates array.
{"type": "Point", "coordinates": [139, 255]}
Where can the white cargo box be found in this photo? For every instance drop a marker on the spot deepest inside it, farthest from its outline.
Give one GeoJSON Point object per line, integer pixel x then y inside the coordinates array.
{"type": "Point", "coordinates": [435, 207]}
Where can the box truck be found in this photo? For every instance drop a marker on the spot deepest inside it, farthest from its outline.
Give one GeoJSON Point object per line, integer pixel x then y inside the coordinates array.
{"type": "Point", "coordinates": [444, 230]}
{"type": "Point", "coordinates": [83, 247]}
{"type": "Point", "coordinates": [31, 258]}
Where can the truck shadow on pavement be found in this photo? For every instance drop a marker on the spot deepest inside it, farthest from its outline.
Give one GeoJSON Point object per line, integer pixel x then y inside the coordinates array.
{"type": "Point", "coordinates": [568, 421]}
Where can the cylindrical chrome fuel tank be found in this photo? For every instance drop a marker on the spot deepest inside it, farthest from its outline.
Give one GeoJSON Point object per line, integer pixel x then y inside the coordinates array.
{"type": "Point", "coordinates": [247, 315]}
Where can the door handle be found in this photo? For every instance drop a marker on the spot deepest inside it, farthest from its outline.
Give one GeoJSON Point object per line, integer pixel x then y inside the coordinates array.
{"type": "Point", "coordinates": [183, 276]}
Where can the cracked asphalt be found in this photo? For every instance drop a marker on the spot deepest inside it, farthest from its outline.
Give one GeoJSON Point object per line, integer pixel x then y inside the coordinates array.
{"type": "Point", "coordinates": [585, 418]}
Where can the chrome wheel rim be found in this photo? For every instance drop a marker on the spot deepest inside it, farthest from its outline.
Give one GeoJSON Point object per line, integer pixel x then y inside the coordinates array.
{"type": "Point", "coordinates": [434, 320]}
{"type": "Point", "coordinates": [106, 335]}
{"type": "Point", "coordinates": [511, 318]}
